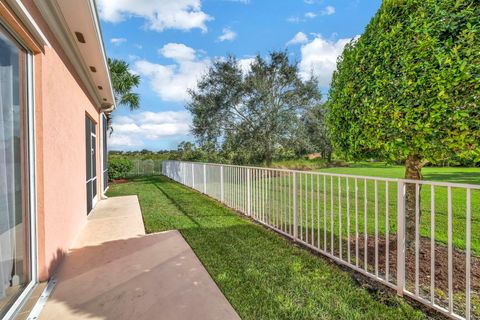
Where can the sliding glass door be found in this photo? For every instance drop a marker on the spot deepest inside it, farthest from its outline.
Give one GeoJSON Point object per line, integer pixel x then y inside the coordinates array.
{"type": "Point", "coordinates": [15, 215]}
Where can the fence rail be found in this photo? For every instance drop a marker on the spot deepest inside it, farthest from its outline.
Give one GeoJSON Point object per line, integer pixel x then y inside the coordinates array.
{"type": "Point", "coordinates": [424, 247]}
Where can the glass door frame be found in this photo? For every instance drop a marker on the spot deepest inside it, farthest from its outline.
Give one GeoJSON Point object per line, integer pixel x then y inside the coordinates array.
{"type": "Point", "coordinates": [30, 173]}
{"type": "Point", "coordinates": [91, 163]}
{"type": "Point", "coordinates": [93, 145]}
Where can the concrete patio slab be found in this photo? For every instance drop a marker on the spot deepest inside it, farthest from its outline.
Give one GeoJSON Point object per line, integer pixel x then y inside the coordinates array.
{"type": "Point", "coordinates": [112, 219]}
{"type": "Point", "coordinates": [115, 271]}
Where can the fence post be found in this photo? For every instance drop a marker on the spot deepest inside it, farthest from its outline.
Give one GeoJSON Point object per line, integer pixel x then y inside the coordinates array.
{"type": "Point", "coordinates": [249, 193]}
{"type": "Point", "coordinates": [400, 237]}
{"type": "Point", "coordinates": [221, 184]}
{"type": "Point", "coordinates": [204, 178]}
{"type": "Point", "coordinates": [193, 177]}
{"type": "Point", "coordinates": [184, 171]}
{"type": "Point", "coordinates": [295, 228]}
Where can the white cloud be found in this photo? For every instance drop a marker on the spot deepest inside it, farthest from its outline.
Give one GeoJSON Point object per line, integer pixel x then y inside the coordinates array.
{"type": "Point", "coordinates": [227, 35]}
{"type": "Point", "coordinates": [159, 14]}
{"type": "Point", "coordinates": [177, 51]}
{"type": "Point", "coordinates": [306, 16]}
{"type": "Point", "coordinates": [133, 57]}
{"type": "Point", "coordinates": [171, 82]}
{"type": "Point", "coordinates": [309, 1]}
{"type": "Point", "coordinates": [300, 37]}
{"type": "Point", "coordinates": [328, 11]}
{"type": "Point", "coordinates": [123, 142]}
{"type": "Point", "coordinates": [117, 41]}
{"type": "Point", "coordinates": [131, 131]}
{"type": "Point", "coordinates": [319, 57]}
{"type": "Point", "coordinates": [294, 19]}
{"type": "Point", "coordinates": [245, 64]}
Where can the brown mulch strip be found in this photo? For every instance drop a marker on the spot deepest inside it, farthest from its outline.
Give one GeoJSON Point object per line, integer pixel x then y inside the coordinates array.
{"type": "Point", "coordinates": [117, 181]}
{"type": "Point", "coordinates": [441, 263]}
{"type": "Point", "coordinates": [440, 276]}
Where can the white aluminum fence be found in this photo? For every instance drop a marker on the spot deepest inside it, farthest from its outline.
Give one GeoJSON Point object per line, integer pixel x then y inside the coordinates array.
{"type": "Point", "coordinates": [146, 168]}
{"type": "Point", "coordinates": [360, 222]}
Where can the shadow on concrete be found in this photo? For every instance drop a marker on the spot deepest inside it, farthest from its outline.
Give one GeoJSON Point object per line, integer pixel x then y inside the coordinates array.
{"type": "Point", "coordinates": [148, 277]}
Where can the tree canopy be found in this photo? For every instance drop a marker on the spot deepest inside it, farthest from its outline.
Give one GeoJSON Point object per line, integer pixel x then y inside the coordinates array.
{"type": "Point", "coordinates": [409, 87]}
{"type": "Point", "coordinates": [250, 115]}
{"type": "Point", "coordinates": [123, 82]}
{"type": "Point", "coordinates": [316, 131]}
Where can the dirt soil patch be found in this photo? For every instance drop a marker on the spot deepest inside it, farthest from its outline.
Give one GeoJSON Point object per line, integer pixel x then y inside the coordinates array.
{"type": "Point", "coordinates": [117, 181]}
{"type": "Point", "coordinates": [441, 263]}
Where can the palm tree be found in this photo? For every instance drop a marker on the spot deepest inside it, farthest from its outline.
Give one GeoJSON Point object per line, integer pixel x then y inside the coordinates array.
{"type": "Point", "coordinates": [123, 81]}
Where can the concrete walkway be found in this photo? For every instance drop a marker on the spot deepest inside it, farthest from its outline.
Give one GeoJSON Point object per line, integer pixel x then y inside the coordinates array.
{"type": "Point", "coordinates": [115, 271]}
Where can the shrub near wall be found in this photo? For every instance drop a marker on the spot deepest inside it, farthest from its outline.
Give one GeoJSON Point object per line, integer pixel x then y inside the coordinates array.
{"type": "Point", "coordinates": [118, 168]}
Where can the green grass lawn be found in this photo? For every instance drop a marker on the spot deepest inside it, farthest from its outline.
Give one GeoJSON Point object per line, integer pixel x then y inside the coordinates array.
{"type": "Point", "coordinates": [380, 169]}
{"type": "Point", "coordinates": [263, 275]}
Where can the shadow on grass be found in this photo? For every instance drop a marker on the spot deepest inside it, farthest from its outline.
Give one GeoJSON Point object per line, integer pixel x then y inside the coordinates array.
{"type": "Point", "coordinates": [175, 203]}
{"type": "Point", "coordinates": [454, 177]}
{"type": "Point", "coordinates": [173, 199]}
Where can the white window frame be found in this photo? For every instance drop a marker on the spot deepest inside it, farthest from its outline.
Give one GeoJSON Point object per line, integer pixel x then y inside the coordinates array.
{"type": "Point", "coordinates": [31, 172]}
{"type": "Point", "coordinates": [102, 155]}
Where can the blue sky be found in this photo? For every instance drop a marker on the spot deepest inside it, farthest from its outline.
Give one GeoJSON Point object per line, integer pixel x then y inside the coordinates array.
{"type": "Point", "coordinates": [171, 42]}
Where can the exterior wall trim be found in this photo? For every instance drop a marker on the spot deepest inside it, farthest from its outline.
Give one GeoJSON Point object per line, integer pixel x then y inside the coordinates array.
{"type": "Point", "coordinates": [19, 9]}
{"type": "Point", "coordinates": [16, 28]}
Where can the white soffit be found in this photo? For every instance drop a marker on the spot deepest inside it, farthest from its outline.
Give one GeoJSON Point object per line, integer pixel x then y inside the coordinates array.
{"type": "Point", "coordinates": [68, 17]}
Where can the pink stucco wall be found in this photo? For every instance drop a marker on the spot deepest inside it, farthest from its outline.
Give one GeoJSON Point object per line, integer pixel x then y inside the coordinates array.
{"type": "Point", "coordinates": [64, 192]}
{"type": "Point", "coordinates": [61, 106]}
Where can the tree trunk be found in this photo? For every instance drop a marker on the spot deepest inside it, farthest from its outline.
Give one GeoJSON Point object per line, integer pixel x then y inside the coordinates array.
{"type": "Point", "coordinates": [268, 159]}
{"type": "Point", "coordinates": [268, 155]}
{"type": "Point", "coordinates": [413, 168]}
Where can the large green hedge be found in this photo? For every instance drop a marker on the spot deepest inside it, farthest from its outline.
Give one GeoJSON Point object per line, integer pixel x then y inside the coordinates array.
{"type": "Point", "coordinates": [119, 167]}
{"type": "Point", "coordinates": [410, 85]}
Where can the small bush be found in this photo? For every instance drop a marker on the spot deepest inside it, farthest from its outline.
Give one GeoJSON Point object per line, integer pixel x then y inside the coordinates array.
{"type": "Point", "coordinates": [118, 168]}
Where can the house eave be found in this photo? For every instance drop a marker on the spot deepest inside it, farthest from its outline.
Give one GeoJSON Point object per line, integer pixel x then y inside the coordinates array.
{"type": "Point", "coordinates": [65, 19]}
